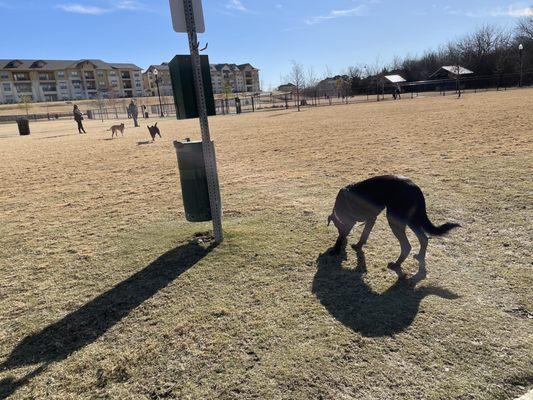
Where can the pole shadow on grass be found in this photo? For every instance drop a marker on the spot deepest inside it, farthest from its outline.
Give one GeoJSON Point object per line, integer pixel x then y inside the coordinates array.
{"type": "Point", "coordinates": [85, 325]}
{"type": "Point", "coordinates": [349, 299]}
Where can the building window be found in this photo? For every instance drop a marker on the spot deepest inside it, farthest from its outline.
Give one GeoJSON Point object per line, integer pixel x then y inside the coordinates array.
{"type": "Point", "coordinates": [100, 74]}
{"type": "Point", "coordinates": [7, 87]}
{"type": "Point", "coordinates": [61, 74]}
{"type": "Point", "coordinates": [112, 73]}
{"type": "Point", "coordinates": [4, 76]}
{"type": "Point", "coordinates": [74, 73]}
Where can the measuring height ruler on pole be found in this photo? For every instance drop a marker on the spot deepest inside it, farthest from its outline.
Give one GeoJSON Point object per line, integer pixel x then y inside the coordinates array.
{"type": "Point", "coordinates": [186, 17]}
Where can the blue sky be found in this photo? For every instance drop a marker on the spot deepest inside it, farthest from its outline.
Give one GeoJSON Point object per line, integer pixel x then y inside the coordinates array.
{"type": "Point", "coordinates": [325, 35]}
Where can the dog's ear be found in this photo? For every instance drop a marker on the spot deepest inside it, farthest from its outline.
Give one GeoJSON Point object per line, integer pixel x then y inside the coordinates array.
{"type": "Point", "coordinates": [329, 219]}
{"type": "Point", "coordinates": [155, 124]}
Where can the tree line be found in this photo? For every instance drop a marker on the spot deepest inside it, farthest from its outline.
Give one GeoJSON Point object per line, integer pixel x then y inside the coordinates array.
{"type": "Point", "coordinates": [488, 51]}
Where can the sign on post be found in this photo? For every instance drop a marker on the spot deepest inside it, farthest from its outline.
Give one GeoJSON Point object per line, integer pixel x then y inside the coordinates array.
{"type": "Point", "coordinates": [178, 16]}
{"type": "Point", "coordinates": [187, 16]}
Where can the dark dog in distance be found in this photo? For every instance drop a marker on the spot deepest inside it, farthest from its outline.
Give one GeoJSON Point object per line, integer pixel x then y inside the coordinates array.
{"type": "Point", "coordinates": [405, 204]}
{"type": "Point", "coordinates": [154, 130]}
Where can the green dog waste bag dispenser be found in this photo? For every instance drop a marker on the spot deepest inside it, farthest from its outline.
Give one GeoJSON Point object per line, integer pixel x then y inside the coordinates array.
{"type": "Point", "coordinates": [193, 181]}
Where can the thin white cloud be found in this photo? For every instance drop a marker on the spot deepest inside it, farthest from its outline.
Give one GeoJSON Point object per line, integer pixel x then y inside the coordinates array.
{"type": "Point", "coordinates": [514, 10]}
{"type": "Point", "coordinates": [235, 5]}
{"type": "Point", "coordinates": [130, 5]}
{"type": "Point", "coordinates": [82, 9]}
{"type": "Point", "coordinates": [352, 12]}
{"type": "Point", "coordinates": [113, 6]}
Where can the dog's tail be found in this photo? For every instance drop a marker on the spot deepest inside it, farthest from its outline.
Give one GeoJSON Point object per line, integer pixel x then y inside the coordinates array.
{"type": "Point", "coordinates": [428, 226]}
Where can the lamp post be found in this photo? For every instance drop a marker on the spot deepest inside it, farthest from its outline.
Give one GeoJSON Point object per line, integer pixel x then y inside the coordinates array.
{"type": "Point", "coordinates": [520, 51]}
{"type": "Point", "coordinates": [156, 74]}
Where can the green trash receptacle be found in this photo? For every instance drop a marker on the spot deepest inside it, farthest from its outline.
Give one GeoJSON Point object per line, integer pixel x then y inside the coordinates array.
{"type": "Point", "coordinates": [24, 126]}
{"type": "Point", "coordinates": [193, 181]}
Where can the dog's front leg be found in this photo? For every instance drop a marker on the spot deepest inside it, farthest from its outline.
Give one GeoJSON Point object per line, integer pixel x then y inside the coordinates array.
{"type": "Point", "coordinates": [340, 244]}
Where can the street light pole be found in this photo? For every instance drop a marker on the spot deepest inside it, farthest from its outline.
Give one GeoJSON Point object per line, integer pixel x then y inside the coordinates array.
{"type": "Point", "coordinates": [520, 51]}
{"type": "Point", "coordinates": [156, 74]}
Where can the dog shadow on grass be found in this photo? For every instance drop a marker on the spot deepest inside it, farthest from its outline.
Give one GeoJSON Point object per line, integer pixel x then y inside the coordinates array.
{"type": "Point", "coordinates": [350, 300]}
{"type": "Point", "coordinates": [85, 325]}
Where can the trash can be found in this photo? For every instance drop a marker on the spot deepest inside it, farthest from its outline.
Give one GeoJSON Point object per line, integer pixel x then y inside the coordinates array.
{"type": "Point", "coordinates": [90, 114]}
{"type": "Point", "coordinates": [24, 126]}
{"type": "Point", "coordinates": [146, 115]}
{"type": "Point", "coordinates": [193, 181]}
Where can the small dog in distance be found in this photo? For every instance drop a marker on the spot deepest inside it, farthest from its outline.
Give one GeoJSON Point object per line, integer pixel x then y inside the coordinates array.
{"type": "Point", "coordinates": [115, 129]}
{"type": "Point", "coordinates": [154, 131]}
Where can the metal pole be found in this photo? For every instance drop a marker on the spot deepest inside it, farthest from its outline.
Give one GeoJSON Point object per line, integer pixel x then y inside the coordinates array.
{"type": "Point", "coordinates": [159, 95]}
{"type": "Point", "coordinates": [207, 144]}
{"type": "Point", "coordinates": [521, 68]}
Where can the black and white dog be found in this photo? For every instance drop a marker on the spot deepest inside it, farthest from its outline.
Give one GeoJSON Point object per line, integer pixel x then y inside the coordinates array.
{"type": "Point", "coordinates": [405, 204]}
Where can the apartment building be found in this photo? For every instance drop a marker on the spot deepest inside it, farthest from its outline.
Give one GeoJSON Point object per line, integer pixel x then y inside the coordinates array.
{"type": "Point", "coordinates": [238, 78]}
{"type": "Point", "coordinates": [165, 85]}
{"type": "Point", "coordinates": [53, 80]}
{"type": "Point", "coordinates": [224, 77]}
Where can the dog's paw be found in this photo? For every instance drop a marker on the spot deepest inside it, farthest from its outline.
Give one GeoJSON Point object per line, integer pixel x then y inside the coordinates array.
{"type": "Point", "coordinates": [418, 257]}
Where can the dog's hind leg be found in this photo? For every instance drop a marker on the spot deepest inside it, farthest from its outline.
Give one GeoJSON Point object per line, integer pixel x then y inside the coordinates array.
{"type": "Point", "coordinates": [398, 228]}
{"type": "Point", "coordinates": [369, 224]}
{"type": "Point", "coordinates": [423, 239]}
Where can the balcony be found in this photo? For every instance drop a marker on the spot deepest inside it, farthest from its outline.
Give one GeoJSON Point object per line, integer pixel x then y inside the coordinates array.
{"type": "Point", "coordinates": [49, 88]}
{"type": "Point", "coordinates": [47, 77]}
{"type": "Point", "coordinates": [23, 88]}
{"type": "Point", "coordinates": [21, 77]}
{"type": "Point", "coordinates": [89, 75]}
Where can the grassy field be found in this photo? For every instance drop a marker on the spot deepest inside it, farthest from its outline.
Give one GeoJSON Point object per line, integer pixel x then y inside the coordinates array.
{"type": "Point", "coordinates": [107, 292]}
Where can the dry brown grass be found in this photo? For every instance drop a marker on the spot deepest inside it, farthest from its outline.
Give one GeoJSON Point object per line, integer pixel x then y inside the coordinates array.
{"type": "Point", "coordinates": [99, 287]}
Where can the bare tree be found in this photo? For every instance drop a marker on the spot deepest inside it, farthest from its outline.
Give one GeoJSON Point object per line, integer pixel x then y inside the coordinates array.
{"type": "Point", "coordinates": [297, 78]}
{"type": "Point", "coordinates": [373, 71]}
{"type": "Point", "coordinates": [525, 28]}
{"type": "Point", "coordinates": [25, 101]}
{"type": "Point", "coordinates": [311, 82]}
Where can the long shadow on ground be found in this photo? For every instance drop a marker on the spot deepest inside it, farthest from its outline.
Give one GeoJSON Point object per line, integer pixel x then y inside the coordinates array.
{"type": "Point", "coordinates": [346, 296]}
{"type": "Point", "coordinates": [83, 326]}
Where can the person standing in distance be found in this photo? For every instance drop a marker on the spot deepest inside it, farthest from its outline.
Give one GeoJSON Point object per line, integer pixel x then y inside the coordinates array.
{"type": "Point", "coordinates": [134, 112]}
{"type": "Point", "coordinates": [78, 117]}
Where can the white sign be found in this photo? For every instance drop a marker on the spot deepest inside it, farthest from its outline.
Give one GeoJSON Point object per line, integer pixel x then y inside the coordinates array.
{"type": "Point", "coordinates": [178, 15]}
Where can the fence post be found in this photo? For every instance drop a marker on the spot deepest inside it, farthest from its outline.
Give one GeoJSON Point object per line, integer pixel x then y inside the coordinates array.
{"type": "Point", "coordinates": [253, 105]}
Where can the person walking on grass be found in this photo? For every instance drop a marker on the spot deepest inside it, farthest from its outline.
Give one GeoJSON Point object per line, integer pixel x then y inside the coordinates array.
{"type": "Point", "coordinates": [78, 117]}
{"type": "Point", "coordinates": [134, 112]}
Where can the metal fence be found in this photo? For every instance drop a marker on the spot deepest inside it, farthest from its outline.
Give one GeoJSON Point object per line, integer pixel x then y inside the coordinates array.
{"type": "Point", "coordinates": [374, 91]}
